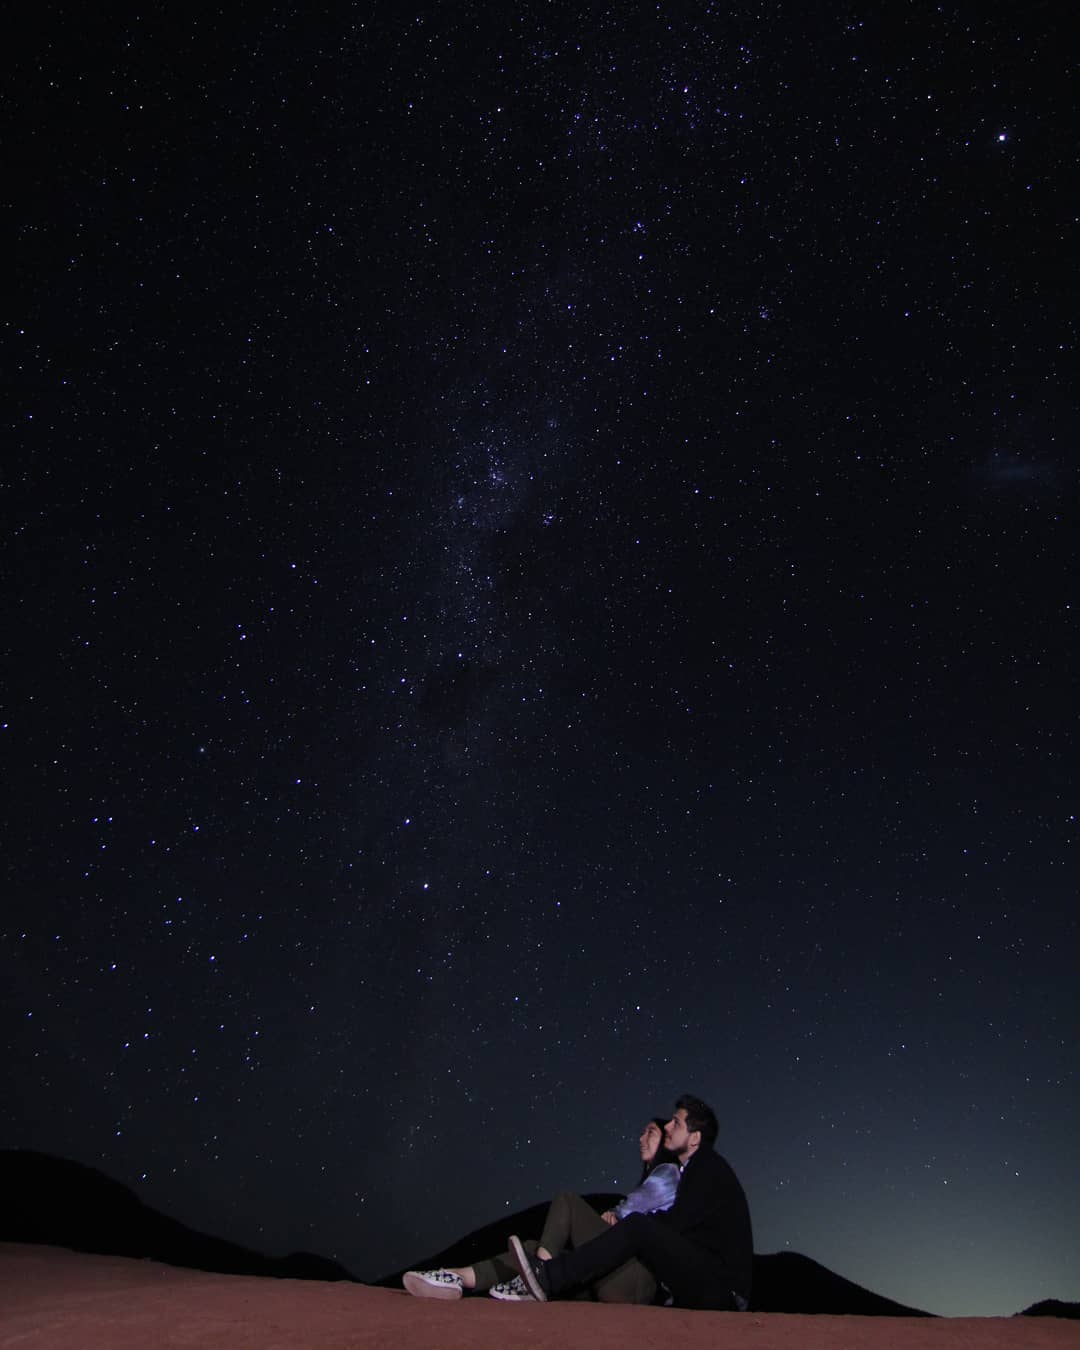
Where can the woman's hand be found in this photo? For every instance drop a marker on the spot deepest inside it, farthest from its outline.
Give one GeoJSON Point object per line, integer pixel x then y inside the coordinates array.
{"type": "Point", "coordinates": [609, 1216]}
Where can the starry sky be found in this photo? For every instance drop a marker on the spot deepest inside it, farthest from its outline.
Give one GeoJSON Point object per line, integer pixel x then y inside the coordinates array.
{"type": "Point", "coordinates": [541, 572]}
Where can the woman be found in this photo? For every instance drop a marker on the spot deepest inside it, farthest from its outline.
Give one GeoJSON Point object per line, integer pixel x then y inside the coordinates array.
{"type": "Point", "coordinates": [570, 1222]}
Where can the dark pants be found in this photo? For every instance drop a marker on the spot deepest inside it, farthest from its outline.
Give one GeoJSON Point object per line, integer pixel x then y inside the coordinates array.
{"type": "Point", "coordinates": [572, 1223]}
{"type": "Point", "coordinates": [697, 1278]}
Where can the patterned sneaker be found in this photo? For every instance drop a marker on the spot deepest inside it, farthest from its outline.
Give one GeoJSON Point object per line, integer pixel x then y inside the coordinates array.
{"type": "Point", "coordinates": [532, 1271]}
{"type": "Point", "coordinates": [433, 1284]}
{"type": "Point", "coordinates": [512, 1291]}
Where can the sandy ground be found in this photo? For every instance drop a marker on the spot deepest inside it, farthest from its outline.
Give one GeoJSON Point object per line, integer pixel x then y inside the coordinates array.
{"type": "Point", "coordinates": [50, 1297]}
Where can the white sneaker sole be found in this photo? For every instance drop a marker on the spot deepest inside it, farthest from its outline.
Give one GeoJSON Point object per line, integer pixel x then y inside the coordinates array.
{"type": "Point", "coordinates": [421, 1288]}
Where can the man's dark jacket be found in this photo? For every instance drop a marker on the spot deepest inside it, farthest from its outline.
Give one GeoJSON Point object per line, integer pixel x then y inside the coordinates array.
{"type": "Point", "coordinates": [710, 1210]}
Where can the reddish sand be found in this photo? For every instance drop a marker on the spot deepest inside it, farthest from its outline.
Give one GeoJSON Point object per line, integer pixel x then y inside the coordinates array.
{"type": "Point", "coordinates": [50, 1297]}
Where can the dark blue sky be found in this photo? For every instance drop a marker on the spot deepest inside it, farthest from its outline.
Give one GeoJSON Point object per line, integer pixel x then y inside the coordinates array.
{"type": "Point", "coordinates": [541, 553]}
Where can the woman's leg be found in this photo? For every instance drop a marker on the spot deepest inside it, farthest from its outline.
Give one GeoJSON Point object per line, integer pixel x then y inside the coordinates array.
{"type": "Point", "coordinates": [569, 1223]}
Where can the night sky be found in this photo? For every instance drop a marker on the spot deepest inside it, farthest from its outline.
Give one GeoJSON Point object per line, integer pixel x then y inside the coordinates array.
{"type": "Point", "coordinates": [539, 546]}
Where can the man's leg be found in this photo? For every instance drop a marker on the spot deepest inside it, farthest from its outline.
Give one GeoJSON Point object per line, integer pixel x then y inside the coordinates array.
{"type": "Point", "coordinates": [499, 1270]}
{"type": "Point", "coordinates": [696, 1278]}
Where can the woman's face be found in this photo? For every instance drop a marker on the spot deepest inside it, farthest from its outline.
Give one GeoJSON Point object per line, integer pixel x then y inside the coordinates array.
{"type": "Point", "coordinates": [650, 1141]}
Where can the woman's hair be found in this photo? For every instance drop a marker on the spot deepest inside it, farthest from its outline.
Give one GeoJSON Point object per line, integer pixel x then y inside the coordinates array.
{"type": "Point", "coordinates": [663, 1155]}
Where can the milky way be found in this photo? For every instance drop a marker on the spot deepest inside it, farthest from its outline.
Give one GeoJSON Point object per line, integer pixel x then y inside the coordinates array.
{"type": "Point", "coordinates": [541, 554]}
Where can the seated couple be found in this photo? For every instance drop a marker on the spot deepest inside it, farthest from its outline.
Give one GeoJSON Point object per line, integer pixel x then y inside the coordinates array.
{"type": "Point", "coordinates": [686, 1229]}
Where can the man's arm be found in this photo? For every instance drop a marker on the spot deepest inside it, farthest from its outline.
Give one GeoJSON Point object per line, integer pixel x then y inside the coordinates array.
{"type": "Point", "coordinates": [702, 1193]}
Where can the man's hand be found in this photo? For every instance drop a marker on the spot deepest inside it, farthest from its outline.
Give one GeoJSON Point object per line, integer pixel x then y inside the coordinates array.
{"type": "Point", "coordinates": [609, 1216]}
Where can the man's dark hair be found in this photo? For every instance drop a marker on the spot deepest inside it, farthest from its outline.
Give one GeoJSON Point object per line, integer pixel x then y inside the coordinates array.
{"type": "Point", "coordinates": [699, 1116]}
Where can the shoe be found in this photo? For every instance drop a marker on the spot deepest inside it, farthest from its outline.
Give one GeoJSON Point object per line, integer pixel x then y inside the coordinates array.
{"type": "Point", "coordinates": [511, 1291]}
{"type": "Point", "coordinates": [433, 1284]}
{"type": "Point", "coordinates": [532, 1271]}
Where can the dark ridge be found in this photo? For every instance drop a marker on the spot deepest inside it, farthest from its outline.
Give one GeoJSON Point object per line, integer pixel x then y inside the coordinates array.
{"type": "Point", "coordinates": [66, 1204]}
{"type": "Point", "coordinates": [1052, 1307]}
{"type": "Point", "coordinates": [57, 1202]}
{"type": "Point", "coordinates": [787, 1282]}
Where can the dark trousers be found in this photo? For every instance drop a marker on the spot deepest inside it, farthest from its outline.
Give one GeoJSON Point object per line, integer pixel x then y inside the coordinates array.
{"type": "Point", "coordinates": [697, 1278]}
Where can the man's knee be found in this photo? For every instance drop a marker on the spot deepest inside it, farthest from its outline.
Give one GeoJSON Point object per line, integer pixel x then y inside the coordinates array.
{"type": "Point", "coordinates": [635, 1230]}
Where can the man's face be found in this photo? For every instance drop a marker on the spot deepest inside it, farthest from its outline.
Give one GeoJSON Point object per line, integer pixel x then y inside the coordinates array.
{"type": "Point", "coordinates": [678, 1138]}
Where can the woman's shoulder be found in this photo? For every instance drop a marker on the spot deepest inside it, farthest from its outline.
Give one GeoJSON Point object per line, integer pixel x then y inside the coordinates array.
{"type": "Point", "coordinates": [668, 1171]}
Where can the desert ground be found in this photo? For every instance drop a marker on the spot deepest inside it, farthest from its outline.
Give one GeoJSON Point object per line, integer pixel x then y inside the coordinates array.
{"type": "Point", "coordinates": [50, 1297]}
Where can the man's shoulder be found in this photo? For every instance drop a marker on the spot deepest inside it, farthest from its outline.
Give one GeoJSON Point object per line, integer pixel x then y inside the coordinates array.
{"type": "Point", "coordinates": [707, 1163]}
{"type": "Point", "coordinates": [705, 1158]}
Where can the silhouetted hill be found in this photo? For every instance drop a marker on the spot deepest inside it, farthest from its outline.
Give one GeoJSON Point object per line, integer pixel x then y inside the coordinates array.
{"type": "Point", "coordinates": [787, 1282]}
{"type": "Point", "coordinates": [60, 1203]}
{"type": "Point", "coordinates": [1052, 1307]}
{"type": "Point", "coordinates": [66, 1204]}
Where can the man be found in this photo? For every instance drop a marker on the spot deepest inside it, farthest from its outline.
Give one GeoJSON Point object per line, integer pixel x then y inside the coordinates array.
{"type": "Point", "coordinates": [701, 1248]}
